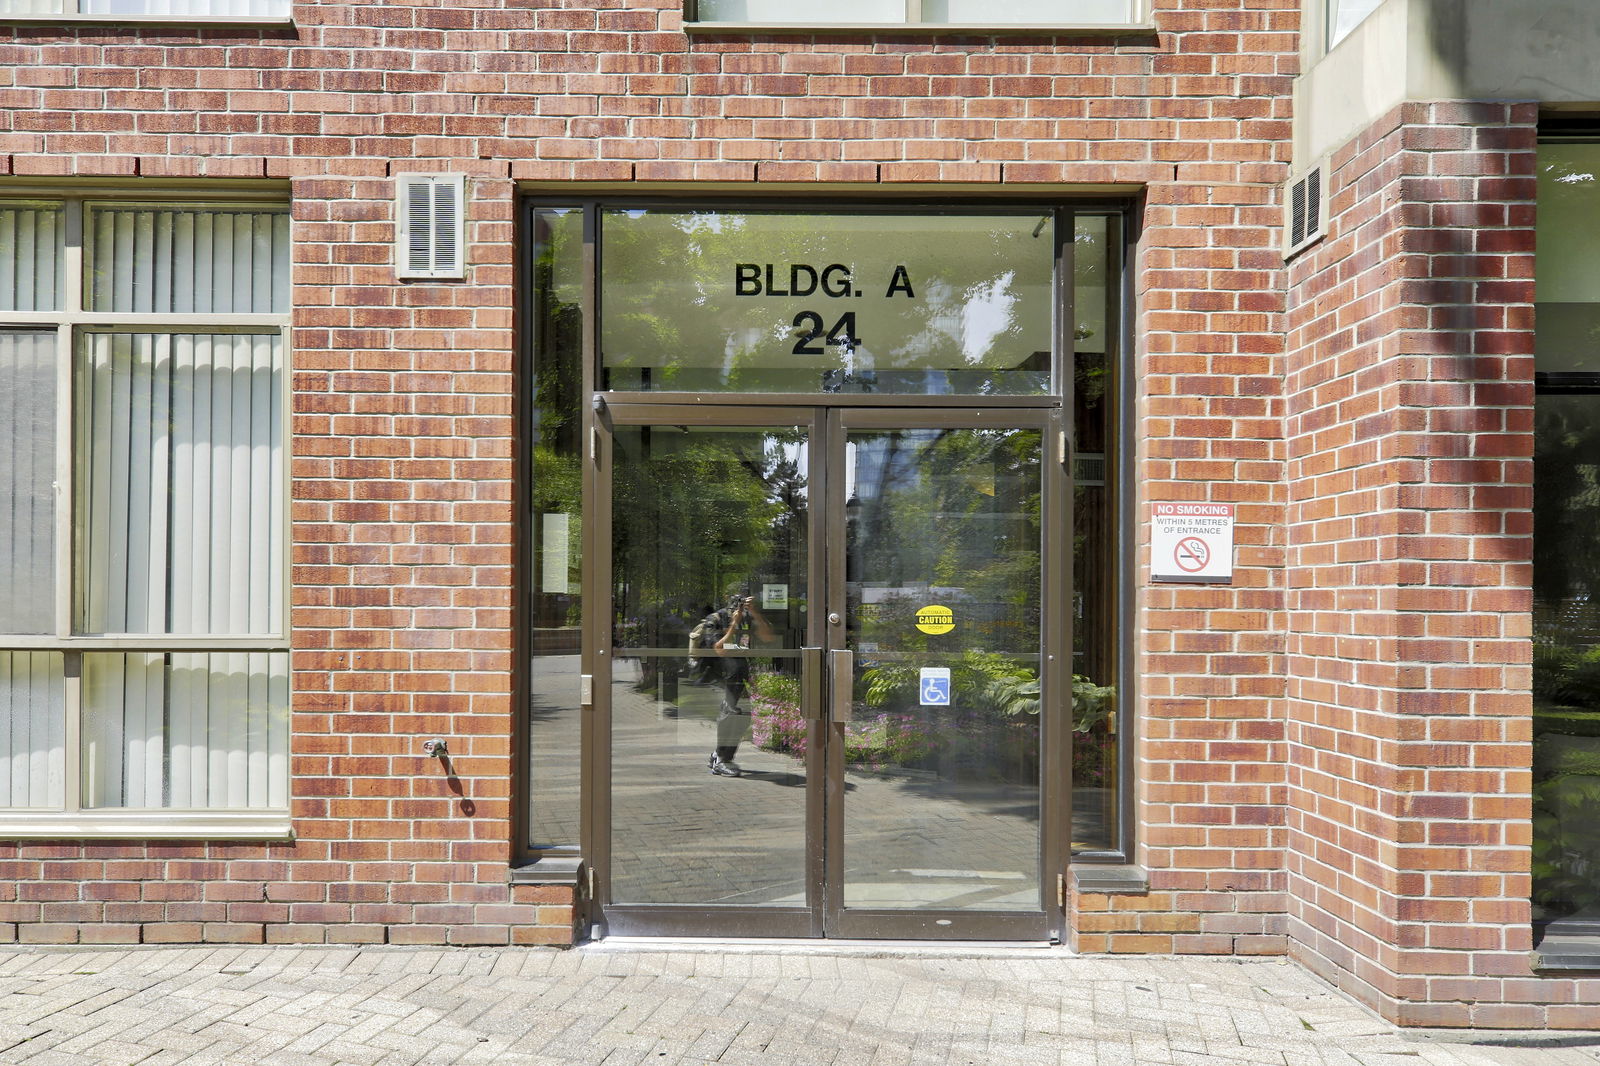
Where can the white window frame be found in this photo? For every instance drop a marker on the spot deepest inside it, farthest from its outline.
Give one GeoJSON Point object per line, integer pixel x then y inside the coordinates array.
{"type": "Point", "coordinates": [70, 13]}
{"type": "Point", "coordinates": [70, 323]}
{"type": "Point", "coordinates": [1140, 22]}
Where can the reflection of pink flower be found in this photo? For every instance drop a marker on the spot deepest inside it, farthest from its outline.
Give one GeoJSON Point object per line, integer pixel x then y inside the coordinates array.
{"type": "Point", "coordinates": [777, 726]}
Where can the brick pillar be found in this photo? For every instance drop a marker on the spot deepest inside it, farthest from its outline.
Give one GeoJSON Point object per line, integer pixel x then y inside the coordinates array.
{"type": "Point", "coordinates": [1410, 391]}
{"type": "Point", "coordinates": [1208, 424]}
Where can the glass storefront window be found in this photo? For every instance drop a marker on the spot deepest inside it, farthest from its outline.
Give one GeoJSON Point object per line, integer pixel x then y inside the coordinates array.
{"type": "Point", "coordinates": [1566, 546]}
{"type": "Point", "coordinates": [1095, 633]}
{"type": "Point", "coordinates": [774, 302]}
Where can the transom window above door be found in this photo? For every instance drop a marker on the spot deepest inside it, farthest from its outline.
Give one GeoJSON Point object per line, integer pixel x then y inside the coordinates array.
{"type": "Point", "coordinates": [884, 301]}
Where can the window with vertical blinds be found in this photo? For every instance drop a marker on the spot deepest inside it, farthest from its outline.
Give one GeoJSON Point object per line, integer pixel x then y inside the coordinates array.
{"type": "Point", "coordinates": [142, 517]}
{"type": "Point", "coordinates": [155, 9]}
{"type": "Point", "coordinates": [27, 480]}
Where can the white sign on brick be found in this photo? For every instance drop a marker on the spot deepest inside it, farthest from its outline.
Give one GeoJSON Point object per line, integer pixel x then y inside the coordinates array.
{"type": "Point", "coordinates": [1192, 542]}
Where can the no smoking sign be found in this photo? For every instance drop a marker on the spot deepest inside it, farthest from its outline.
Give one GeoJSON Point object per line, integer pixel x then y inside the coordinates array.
{"type": "Point", "coordinates": [1192, 542]}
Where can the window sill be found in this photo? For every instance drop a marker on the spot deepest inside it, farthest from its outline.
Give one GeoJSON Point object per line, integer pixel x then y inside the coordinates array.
{"type": "Point", "coordinates": [963, 29]}
{"type": "Point", "coordinates": [563, 870]}
{"type": "Point", "coordinates": [66, 19]}
{"type": "Point", "coordinates": [146, 825]}
{"type": "Point", "coordinates": [1569, 945]}
{"type": "Point", "coordinates": [1123, 879]}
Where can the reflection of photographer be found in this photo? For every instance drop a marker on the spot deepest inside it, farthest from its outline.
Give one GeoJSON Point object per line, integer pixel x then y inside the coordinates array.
{"type": "Point", "coordinates": [735, 624]}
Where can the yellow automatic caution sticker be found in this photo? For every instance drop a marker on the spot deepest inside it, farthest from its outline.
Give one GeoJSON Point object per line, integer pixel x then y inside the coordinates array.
{"type": "Point", "coordinates": [934, 619]}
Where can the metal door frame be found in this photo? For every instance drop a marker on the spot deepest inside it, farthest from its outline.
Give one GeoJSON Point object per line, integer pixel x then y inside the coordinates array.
{"type": "Point", "coordinates": [692, 919]}
{"type": "Point", "coordinates": [824, 914]}
{"type": "Point", "coordinates": [1055, 587]}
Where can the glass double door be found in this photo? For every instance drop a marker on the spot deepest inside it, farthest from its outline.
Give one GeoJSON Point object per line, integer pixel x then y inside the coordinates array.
{"type": "Point", "coordinates": [827, 701]}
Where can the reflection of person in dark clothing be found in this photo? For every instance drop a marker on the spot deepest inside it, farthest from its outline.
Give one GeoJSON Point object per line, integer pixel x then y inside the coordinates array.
{"type": "Point", "coordinates": [734, 624]}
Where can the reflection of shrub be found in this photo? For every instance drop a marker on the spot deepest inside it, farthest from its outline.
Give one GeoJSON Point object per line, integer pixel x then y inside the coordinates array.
{"type": "Point", "coordinates": [888, 740]}
{"type": "Point", "coordinates": [1566, 823]}
{"type": "Point", "coordinates": [776, 720]}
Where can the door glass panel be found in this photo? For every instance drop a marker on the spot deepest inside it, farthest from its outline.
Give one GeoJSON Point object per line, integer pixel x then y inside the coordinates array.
{"type": "Point", "coordinates": [766, 301]}
{"type": "Point", "coordinates": [942, 572]}
{"type": "Point", "coordinates": [708, 744]}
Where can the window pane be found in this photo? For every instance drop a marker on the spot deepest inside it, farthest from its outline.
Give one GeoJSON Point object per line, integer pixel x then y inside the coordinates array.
{"type": "Point", "coordinates": [1568, 283]}
{"type": "Point", "coordinates": [27, 481]}
{"type": "Point", "coordinates": [557, 489]}
{"type": "Point", "coordinates": [1346, 15]}
{"type": "Point", "coordinates": [31, 260]}
{"type": "Point", "coordinates": [826, 11]}
{"type": "Point", "coordinates": [180, 483]}
{"type": "Point", "coordinates": [32, 729]}
{"type": "Point", "coordinates": [831, 303]}
{"type": "Point", "coordinates": [1044, 12]}
{"type": "Point", "coordinates": [223, 8]}
{"type": "Point", "coordinates": [1095, 634]}
{"type": "Point", "coordinates": [187, 730]}
{"type": "Point", "coordinates": [1566, 656]}
{"type": "Point", "coordinates": [187, 261]}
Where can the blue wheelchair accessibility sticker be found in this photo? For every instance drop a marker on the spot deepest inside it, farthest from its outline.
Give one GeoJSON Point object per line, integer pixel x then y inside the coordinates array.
{"type": "Point", "coordinates": [935, 686]}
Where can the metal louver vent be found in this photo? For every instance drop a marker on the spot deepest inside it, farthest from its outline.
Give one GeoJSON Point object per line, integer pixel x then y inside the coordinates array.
{"type": "Point", "coordinates": [1304, 206]}
{"type": "Point", "coordinates": [431, 210]}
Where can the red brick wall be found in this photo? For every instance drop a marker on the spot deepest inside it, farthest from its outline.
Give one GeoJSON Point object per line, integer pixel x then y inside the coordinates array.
{"type": "Point", "coordinates": [402, 392]}
{"type": "Point", "coordinates": [1410, 430]}
{"type": "Point", "coordinates": [1209, 759]}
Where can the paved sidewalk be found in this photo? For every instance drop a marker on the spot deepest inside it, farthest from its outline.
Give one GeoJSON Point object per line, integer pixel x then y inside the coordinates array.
{"type": "Point", "coordinates": [636, 1004]}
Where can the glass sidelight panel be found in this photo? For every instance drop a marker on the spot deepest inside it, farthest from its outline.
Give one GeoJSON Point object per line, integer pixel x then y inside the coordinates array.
{"type": "Point", "coordinates": [1095, 614]}
{"type": "Point", "coordinates": [555, 549]}
{"type": "Point", "coordinates": [709, 740]}
{"type": "Point", "coordinates": [943, 617]}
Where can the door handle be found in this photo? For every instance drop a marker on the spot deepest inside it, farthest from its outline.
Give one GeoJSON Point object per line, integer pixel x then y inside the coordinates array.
{"type": "Point", "coordinates": [841, 668]}
{"type": "Point", "coordinates": [811, 684]}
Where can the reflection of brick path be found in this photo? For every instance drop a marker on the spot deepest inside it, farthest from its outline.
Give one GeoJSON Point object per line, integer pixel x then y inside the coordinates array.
{"type": "Point", "coordinates": [683, 836]}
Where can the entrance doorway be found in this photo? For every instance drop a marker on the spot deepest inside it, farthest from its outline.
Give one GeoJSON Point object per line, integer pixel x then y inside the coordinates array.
{"type": "Point", "coordinates": [831, 702]}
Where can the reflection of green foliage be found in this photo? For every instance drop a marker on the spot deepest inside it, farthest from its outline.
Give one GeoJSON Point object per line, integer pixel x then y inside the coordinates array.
{"type": "Point", "coordinates": [700, 514]}
{"type": "Point", "coordinates": [978, 679]}
{"type": "Point", "coordinates": [1566, 661]}
{"type": "Point", "coordinates": [981, 299]}
{"type": "Point", "coordinates": [961, 510]}
{"type": "Point", "coordinates": [1092, 704]}
{"type": "Point", "coordinates": [1566, 504]}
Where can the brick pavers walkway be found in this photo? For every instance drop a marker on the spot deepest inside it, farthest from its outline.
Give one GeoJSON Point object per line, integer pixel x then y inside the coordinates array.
{"type": "Point", "coordinates": [621, 1005]}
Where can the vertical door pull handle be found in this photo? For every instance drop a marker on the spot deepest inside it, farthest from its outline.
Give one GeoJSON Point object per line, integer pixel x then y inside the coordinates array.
{"type": "Point", "coordinates": [841, 665]}
{"type": "Point", "coordinates": [811, 684]}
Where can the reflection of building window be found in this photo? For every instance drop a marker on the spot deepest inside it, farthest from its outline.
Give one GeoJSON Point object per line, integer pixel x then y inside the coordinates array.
{"type": "Point", "coordinates": [1566, 574]}
{"type": "Point", "coordinates": [1088, 13]}
{"type": "Point", "coordinates": [1346, 15]}
{"type": "Point", "coordinates": [143, 649]}
{"type": "Point", "coordinates": [187, 10]}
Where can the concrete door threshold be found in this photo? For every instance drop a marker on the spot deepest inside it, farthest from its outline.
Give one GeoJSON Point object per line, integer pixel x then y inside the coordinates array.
{"type": "Point", "coordinates": [860, 948]}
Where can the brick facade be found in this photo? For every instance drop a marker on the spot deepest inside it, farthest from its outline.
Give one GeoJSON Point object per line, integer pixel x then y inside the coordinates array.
{"type": "Point", "coordinates": [1332, 754]}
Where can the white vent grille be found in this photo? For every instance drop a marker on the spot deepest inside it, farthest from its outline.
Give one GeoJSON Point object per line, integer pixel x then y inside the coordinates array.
{"type": "Point", "coordinates": [1088, 468]}
{"type": "Point", "coordinates": [431, 236]}
{"type": "Point", "coordinates": [1306, 208]}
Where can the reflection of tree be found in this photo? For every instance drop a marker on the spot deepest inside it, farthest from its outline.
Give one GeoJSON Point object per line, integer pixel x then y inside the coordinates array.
{"type": "Point", "coordinates": [1566, 664]}
{"type": "Point", "coordinates": [700, 515]}
{"type": "Point", "coordinates": [981, 299]}
{"type": "Point", "coordinates": [958, 510]}
{"type": "Point", "coordinates": [1566, 504]}
{"type": "Point", "coordinates": [557, 483]}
